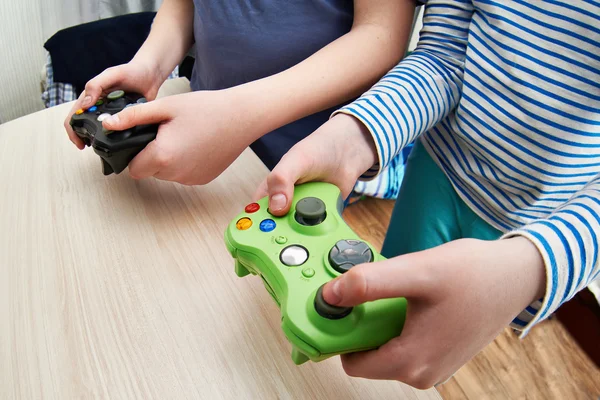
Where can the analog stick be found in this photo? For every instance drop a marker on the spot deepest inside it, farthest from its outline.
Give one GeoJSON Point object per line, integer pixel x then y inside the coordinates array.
{"type": "Point", "coordinates": [310, 211]}
{"type": "Point", "coordinates": [328, 311]}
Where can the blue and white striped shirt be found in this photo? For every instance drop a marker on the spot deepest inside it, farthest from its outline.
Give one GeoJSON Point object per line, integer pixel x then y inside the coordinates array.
{"type": "Point", "coordinates": [506, 96]}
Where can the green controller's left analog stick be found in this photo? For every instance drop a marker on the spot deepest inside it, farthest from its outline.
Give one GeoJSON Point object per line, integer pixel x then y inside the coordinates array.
{"type": "Point", "coordinates": [310, 211]}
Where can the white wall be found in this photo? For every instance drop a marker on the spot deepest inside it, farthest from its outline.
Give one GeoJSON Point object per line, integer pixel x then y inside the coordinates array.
{"type": "Point", "coordinates": [24, 27]}
{"type": "Point", "coordinates": [22, 56]}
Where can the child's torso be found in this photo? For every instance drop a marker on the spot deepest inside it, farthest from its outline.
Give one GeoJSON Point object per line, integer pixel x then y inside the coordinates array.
{"type": "Point", "coordinates": [526, 134]}
{"type": "Point", "coordinates": [243, 40]}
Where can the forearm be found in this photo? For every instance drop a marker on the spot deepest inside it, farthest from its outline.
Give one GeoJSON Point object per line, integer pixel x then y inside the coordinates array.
{"type": "Point", "coordinates": [338, 72]}
{"type": "Point", "coordinates": [170, 38]}
{"type": "Point", "coordinates": [423, 89]}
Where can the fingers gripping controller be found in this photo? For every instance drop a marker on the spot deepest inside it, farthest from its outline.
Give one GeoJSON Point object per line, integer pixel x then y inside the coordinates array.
{"type": "Point", "coordinates": [296, 255]}
{"type": "Point", "coordinates": [115, 148]}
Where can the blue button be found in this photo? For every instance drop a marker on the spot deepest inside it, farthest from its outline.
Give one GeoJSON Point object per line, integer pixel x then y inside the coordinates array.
{"type": "Point", "coordinates": [267, 225]}
{"type": "Point", "coordinates": [92, 109]}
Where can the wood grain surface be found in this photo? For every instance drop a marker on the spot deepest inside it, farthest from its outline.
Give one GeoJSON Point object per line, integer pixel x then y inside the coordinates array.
{"type": "Point", "coordinates": [119, 289]}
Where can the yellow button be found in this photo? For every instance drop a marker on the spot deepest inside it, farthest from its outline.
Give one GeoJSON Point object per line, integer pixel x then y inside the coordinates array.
{"type": "Point", "coordinates": [80, 111]}
{"type": "Point", "coordinates": [243, 224]}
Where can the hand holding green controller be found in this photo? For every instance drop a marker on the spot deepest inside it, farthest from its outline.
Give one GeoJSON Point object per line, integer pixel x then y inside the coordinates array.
{"type": "Point", "coordinates": [296, 255]}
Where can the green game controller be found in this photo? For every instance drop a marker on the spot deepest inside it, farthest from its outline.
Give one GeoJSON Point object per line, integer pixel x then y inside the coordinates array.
{"type": "Point", "coordinates": [295, 256]}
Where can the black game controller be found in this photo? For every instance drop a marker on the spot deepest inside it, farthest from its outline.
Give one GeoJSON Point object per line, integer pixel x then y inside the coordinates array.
{"type": "Point", "coordinates": [115, 148]}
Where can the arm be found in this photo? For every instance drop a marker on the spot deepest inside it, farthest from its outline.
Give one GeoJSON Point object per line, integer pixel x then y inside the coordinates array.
{"type": "Point", "coordinates": [568, 241]}
{"type": "Point", "coordinates": [374, 128]}
{"type": "Point", "coordinates": [170, 38]}
{"type": "Point", "coordinates": [188, 147]}
{"type": "Point", "coordinates": [340, 71]}
{"type": "Point", "coordinates": [423, 89]}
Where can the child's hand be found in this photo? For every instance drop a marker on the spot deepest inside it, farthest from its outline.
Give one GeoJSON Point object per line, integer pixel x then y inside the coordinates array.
{"type": "Point", "coordinates": [339, 152]}
{"type": "Point", "coordinates": [461, 295]}
{"type": "Point", "coordinates": [201, 134]}
{"type": "Point", "coordinates": [135, 76]}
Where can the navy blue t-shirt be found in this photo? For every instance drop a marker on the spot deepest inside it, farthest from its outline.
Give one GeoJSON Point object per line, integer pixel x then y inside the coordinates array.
{"type": "Point", "coordinates": [241, 41]}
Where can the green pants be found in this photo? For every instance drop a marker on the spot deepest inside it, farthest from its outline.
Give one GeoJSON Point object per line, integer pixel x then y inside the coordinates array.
{"type": "Point", "coordinates": [429, 212]}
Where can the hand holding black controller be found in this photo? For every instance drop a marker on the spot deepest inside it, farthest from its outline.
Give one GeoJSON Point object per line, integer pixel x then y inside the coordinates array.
{"type": "Point", "coordinates": [115, 148]}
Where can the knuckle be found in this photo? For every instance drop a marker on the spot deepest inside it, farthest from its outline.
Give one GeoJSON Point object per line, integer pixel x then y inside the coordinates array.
{"type": "Point", "coordinates": [109, 72]}
{"type": "Point", "coordinates": [428, 280]}
{"type": "Point", "coordinates": [163, 157]}
{"type": "Point", "coordinates": [356, 281]}
{"type": "Point", "coordinates": [351, 369]}
{"type": "Point", "coordinates": [129, 114]}
{"type": "Point", "coordinates": [276, 177]}
{"type": "Point", "coordinates": [299, 157]}
{"type": "Point", "coordinates": [421, 377]}
{"type": "Point", "coordinates": [90, 86]}
{"type": "Point", "coordinates": [186, 181]}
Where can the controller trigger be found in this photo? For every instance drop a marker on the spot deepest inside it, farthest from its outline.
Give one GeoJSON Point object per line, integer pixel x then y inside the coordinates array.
{"type": "Point", "coordinates": [240, 270]}
{"type": "Point", "coordinates": [106, 168]}
{"type": "Point", "coordinates": [298, 357]}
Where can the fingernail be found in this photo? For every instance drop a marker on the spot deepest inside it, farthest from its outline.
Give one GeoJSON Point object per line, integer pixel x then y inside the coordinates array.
{"type": "Point", "coordinates": [277, 202]}
{"type": "Point", "coordinates": [112, 120]}
{"type": "Point", "coordinates": [336, 295]}
{"type": "Point", "coordinates": [87, 100]}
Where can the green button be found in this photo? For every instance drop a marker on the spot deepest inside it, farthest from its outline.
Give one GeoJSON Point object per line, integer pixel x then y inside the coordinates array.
{"type": "Point", "coordinates": [281, 239]}
{"type": "Point", "coordinates": [100, 102]}
{"type": "Point", "coordinates": [117, 94]}
{"type": "Point", "coordinates": [308, 272]}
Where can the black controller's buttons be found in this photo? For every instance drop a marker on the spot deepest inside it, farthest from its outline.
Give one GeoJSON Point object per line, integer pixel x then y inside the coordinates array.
{"type": "Point", "coordinates": [349, 253]}
{"type": "Point", "coordinates": [117, 104]}
{"type": "Point", "coordinates": [293, 255]}
{"type": "Point", "coordinates": [103, 116]}
{"type": "Point", "coordinates": [328, 311]}
{"type": "Point", "coordinates": [310, 211]}
{"type": "Point", "coordinates": [117, 94]}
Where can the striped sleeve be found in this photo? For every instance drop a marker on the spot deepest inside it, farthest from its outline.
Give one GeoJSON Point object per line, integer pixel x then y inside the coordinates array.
{"type": "Point", "coordinates": [423, 88]}
{"type": "Point", "coordinates": [568, 242]}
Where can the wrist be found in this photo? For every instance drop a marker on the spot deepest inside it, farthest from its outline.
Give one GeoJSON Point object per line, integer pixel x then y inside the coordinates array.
{"type": "Point", "coordinates": [523, 259]}
{"type": "Point", "coordinates": [254, 113]}
{"type": "Point", "coordinates": [146, 60]}
{"type": "Point", "coordinates": [357, 142]}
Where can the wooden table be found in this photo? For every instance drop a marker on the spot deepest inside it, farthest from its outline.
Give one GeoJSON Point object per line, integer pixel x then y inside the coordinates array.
{"type": "Point", "coordinates": [115, 288]}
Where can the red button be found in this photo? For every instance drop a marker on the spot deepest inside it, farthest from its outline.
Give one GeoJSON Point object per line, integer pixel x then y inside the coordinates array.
{"type": "Point", "coordinates": [251, 208]}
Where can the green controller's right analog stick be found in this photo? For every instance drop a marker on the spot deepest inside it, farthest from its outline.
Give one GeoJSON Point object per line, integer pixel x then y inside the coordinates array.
{"type": "Point", "coordinates": [327, 310]}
